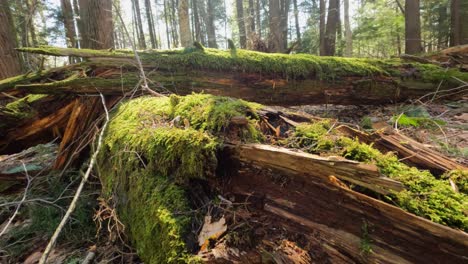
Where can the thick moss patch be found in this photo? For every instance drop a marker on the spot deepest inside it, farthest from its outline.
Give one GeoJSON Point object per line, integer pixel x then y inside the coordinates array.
{"type": "Point", "coordinates": [425, 195]}
{"type": "Point", "coordinates": [152, 148]}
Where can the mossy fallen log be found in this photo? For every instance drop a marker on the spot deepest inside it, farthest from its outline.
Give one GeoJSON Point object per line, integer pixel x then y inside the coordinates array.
{"type": "Point", "coordinates": [162, 155]}
{"type": "Point", "coordinates": [265, 78]}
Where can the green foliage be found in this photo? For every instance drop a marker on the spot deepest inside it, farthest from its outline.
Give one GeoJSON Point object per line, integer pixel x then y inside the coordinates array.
{"type": "Point", "coordinates": [407, 121]}
{"type": "Point", "coordinates": [21, 108]}
{"type": "Point", "coordinates": [366, 122]}
{"type": "Point", "coordinates": [460, 178]}
{"type": "Point", "coordinates": [313, 137]}
{"type": "Point", "coordinates": [366, 242]}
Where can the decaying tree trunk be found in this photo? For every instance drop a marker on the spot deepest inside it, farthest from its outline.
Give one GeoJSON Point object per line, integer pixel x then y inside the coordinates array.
{"type": "Point", "coordinates": [9, 58]}
{"type": "Point", "coordinates": [270, 79]}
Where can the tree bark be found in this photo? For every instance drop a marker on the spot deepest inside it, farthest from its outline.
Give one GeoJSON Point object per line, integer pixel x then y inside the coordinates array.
{"type": "Point", "coordinates": [175, 34]}
{"type": "Point", "coordinates": [284, 5]}
{"type": "Point", "coordinates": [149, 18]}
{"type": "Point", "coordinates": [322, 9]}
{"type": "Point", "coordinates": [330, 34]}
{"type": "Point", "coordinates": [31, 10]}
{"type": "Point", "coordinates": [166, 22]}
{"type": "Point", "coordinates": [275, 41]}
{"type": "Point", "coordinates": [210, 25]}
{"type": "Point", "coordinates": [412, 27]}
{"type": "Point", "coordinates": [241, 23]}
{"type": "Point", "coordinates": [139, 24]}
{"type": "Point", "coordinates": [348, 33]}
{"type": "Point", "coordinates": [258, 19]}
{"type": "Point", "coordinates": [69, 24]}
{"type": "Point", "coordinates": [97, 24]}
{"type": "Point", "coordinates": [250, 28]}
{"type": "Point", "coordinates": [184, 24]}
{"type": "Point", "coordinates": [9, 59]}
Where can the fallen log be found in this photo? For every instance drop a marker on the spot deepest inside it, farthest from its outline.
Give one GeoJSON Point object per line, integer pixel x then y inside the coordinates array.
{"type": "Point", "coordinates": [266, 78]}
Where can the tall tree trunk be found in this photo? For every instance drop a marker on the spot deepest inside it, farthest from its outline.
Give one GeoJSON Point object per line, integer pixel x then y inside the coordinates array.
{"type": "Point", "coordinates": [97, 24]}
{"type": "Point", "coordinates": [166, 22]}
{"type": "Point", "coordinates": [250, 27]}
{"type": "Point", "coordinates": [175, 35]}
{"type": "Point", "coordinates": [79, 22]}
{"type": "Point", "coordinates": [330, 34]}
{"type": "Point", "coordinates": [203, 17]}
{"type": "Point", "coordinates": [348, 33]}
{"type": "Point", "coordinates": [284, 5]}
{"type": "Point", "coordinates": [258, 18]}
{"type": "Point", "coordinates": [296, 19]}
{"type": "Point", "coordinates": [322, 9]}
{"type": "Point", "coordinates": [139, 24]}
{"type": "Point", "coordinates": [241, 23]}
{"type": "Point", "coordinates": [23, 28]}
{"type": "Point", "coordinates": [9, 59]}
{"type": "Point", "coordinates": [184, 23]}
{"type": "Point", "coordinates": [275, 41]}
{"type": "Point", "coordinates": [69, 23]}
{"type": "Point", "coordinates": [459, 27]}
{"type": "Point", "coordinates": [149, 18]}
{"type": "Point", "coordinates": [441, 28]}
{"type": "Point", "coordinates": [210, 25]}
{"type": "Point", "coordinates": [31, 9]}
{"type": "Point", "coordinates": [412, 27]}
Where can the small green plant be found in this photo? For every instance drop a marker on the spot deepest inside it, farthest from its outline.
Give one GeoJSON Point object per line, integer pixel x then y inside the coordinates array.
{"type": "Point", "coordinates": [366, 242]}
{"type": "Point", "coordinates": [406, 121]}
{"type": "Point", "coordinates": [366, 122]}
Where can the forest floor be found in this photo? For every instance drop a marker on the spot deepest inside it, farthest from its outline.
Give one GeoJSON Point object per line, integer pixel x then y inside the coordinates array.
{"type": "Point", "coordinates": [442, 126]}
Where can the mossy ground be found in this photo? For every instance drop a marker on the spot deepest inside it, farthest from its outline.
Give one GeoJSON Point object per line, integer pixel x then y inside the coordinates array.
{"type": "Point", "coordinates": [425, 195]}
{"type": "Point", "coordinates": [148, 161]}
{"type": "Point", "coordinates": [21, 108]}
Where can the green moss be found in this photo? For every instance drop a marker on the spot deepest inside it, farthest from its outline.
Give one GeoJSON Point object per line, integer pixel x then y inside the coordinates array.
{"type": "Point", "coordinates": [21, 109]}
{"type": "Point", "coordinates": [147, 163]}
{"type": "Point", "coordinates": [425, 195]}
{"type": "Point", "coordinates": [408, 121]}
{"type": "Point", "coordinates": [460, 178]}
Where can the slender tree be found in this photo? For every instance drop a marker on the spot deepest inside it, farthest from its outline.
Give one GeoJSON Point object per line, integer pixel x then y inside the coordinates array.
{"type": "Point", "coordinates": [330, 33]}
{"type": "Point", "coordinates": [98, 26]}
{"type": "Point", "coordinates": [241, 23]}
{"type": "Point", "coordinates": [412, 27]}
{"type": "Point", "coordinates": [174, 27]}
{"type": "Point", "coordinates": [184, 23]}
{"type": "Point", "coordinates": [9, 60]}
{"type": "Point", "coordinates": [166, 22]}
{"type": "Point", "coordinates": [31, 11]}
{"type": "Point", "coordinates": [296, 20]}
{"type": "Point", "coordinates": [139, 24]}
{"type": "Point", "coordinates": [322, 9]}
{"type": "Point", "coordinates": [348, 33]}
{"type": "Point", "coordinates": [149, 19]}
{"type": "Point", "coordinates": [458, 24]}
{"type": "Point", "coordinates": [258, 18]}
{"type": "Point", "coordinates": [79, 21]}
{"type": "Point", "coordinates": [284, 9]}
{"type": "Point", "coordinates": [250, 27]}
{"type": "Point", "coordinates": [69, 23]}
{"type": "Point", "coordinates": [210, 25]}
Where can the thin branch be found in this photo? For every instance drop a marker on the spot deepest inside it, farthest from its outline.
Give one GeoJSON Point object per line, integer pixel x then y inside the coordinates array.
{"type": "Point", "coordinates": [5, 228]}
{"type": "Point", "coordinates": [72, 206]}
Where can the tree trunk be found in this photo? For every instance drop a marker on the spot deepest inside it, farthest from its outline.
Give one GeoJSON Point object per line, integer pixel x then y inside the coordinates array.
{"type": "Point", "coordinates": [197, 23]}
{"type": "Point", "coordinates": [250, 28]}
{"type": "Point", "coordinates": [79, 22]}
{"type": "Point", "coordinates": [241, 23]}
{"type": "Point", "coordinates": [258, 18]}
{"type": "Point", "coordinates": [9, 58]}
{"type": "Point", "coordinates": [69, 24]}
{"type": "Point", "coordinates": [184, 23]}
{"type": "Point", "coordinates": [210, 25]}
{"type": "Point", "coordinates": [275, 42]}
{"type": "Point", "coordinates": [31, 9]}
{"type": "Point", "coordinates": [284, 5]}
{"type": "Point", "coordinates": [412, 27]}
{"type": "Point", "coordinates": [166, 22]}
{"type": "Point", "coordinates": [97, 24]}
{"type": "Point", "coordinates": [139, 24]}
{"type": "Point", "coordinates": [149, 18]}
{"type": "Point", "coordinates": [330, 34]}
{"type": "Point", "coordinates": [175, 35]}
{"type": "Point", "coordinates": [322, 9]}
{"type": "Point", "coordinates": [348, 33]}
{"type": "Point", "coordinates": [296, 19]}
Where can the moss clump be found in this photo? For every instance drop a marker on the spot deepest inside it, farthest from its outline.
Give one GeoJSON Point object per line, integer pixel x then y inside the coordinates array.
{"type": "Point", "coordinates": [408, 121]}
{"type": "Point", "coordinates": [460, 178]}
{"type": "Point", "coordinates": [147, 162]}
{"type": "Point", "coordinates": [425, 195]}
{"type": "Point", "coordinates": [21, 109]}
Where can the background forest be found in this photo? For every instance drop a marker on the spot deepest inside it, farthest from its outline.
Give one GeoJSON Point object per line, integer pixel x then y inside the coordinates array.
{"type": "Point", "coordinates": [352, 28]}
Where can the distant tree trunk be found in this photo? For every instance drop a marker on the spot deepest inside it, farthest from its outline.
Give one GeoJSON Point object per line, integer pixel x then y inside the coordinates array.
{"type": "Point", "coordinates": [458, 24]}
{"type": "Point", "coordinates": [203, 17]}
{"type": "Point", "coordinates": [441, 29]}
{"type": "Point", "coordinates": [322, 9]}
{"type": "Point", "coordinates": [258, 18]}
{"type": "Point", "coordinates": [210, 25]}
{"type": "Point", "coordinates": [9, 59]}
{"type": "Point", "coordinates": [79, 22]}
{"type": "Point", "coordinates": [241, 23]}
{"type": "Point", "coordinates": [296, 19]}
{"type": "Point", "coordinates": [175, 35]}
{"type": "Point", "coordinates": [250, 28]}
{"type": "Point", "coordinates": [284, 5]}
{"type": "Point", "coordinates": [31, 9]}
{"type": "Point", "coordinates": [412, 27]}
{"type": "Point", "coordinates": [149, 18]}
{"type": "Point", "coordinates": [330, 34]}
{"type": "Point", "coordinates": [69, 23]}
{"type": "Point", "coordinates": [197, 21]}
{"type": "Point", "coordinates": [184, 23]}
{"type": "Point", "coordinates": [98, 27]}
{"type": "Point", "coordinates": [348, 33]}
{"type": "Point", "coordinates": [23, 25]}
{"type": "Point", "coordinates": [166, 22]}
{"type": "Point", "coordinates": [139, 24]}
